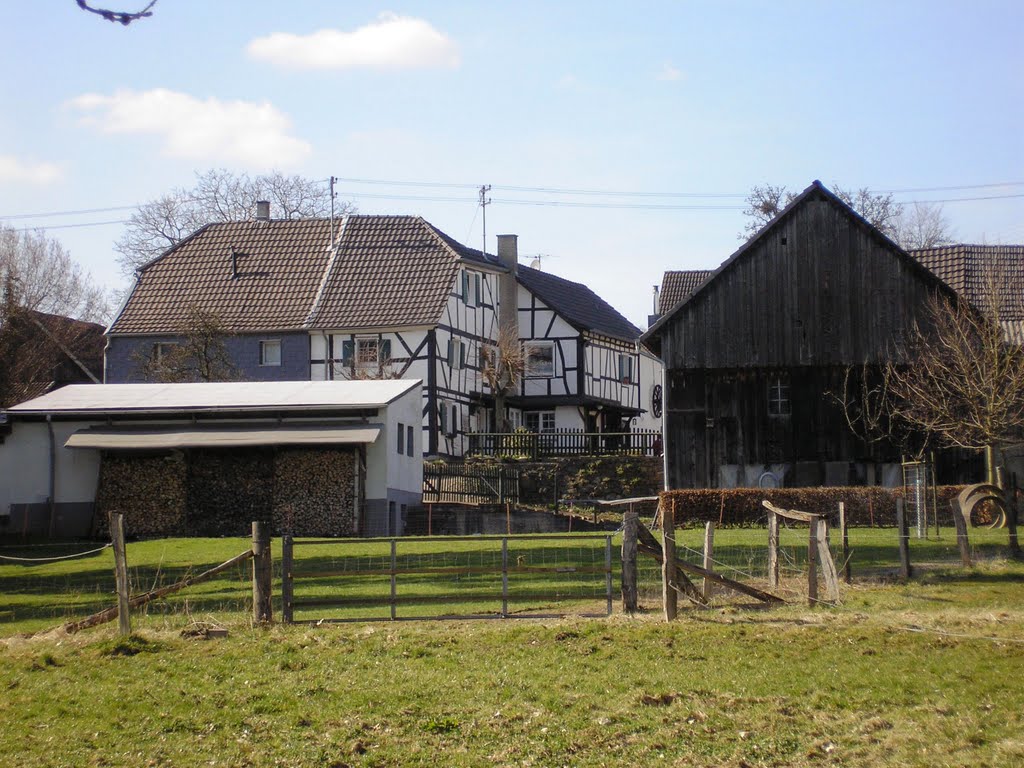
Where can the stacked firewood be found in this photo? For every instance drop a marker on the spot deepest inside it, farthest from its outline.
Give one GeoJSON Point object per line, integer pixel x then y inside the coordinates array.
{"type": "Point", "coordinates": [150, 491]}
{"type": "Point", "coordinates": [313, 492]}
{"type": "Point", "coordinates": [228, 490]}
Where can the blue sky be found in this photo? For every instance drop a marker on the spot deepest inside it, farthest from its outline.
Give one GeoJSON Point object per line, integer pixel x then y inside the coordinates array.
{"type": "Point", "coordinates": [699, 100]}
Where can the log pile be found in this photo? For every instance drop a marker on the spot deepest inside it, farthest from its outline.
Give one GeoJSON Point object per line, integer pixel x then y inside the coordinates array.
{"type": "Point", "coordinates": [219, 492]}
{"type": "Point", "coordinates": [228, 489]}
{"type": "Point", "coordinates": [149, 490]}
{"type": "Point", "coordinates": [314, 492]}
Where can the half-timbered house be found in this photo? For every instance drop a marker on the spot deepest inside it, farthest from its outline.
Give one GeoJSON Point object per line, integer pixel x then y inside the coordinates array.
{"type": "Point", "coordinates": [385, 297]}
{"type": "Point", "coordinates": [756, 352]}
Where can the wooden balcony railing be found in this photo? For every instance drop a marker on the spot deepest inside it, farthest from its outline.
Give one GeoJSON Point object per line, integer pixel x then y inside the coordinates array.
{"type": "Point", "coordinates": [565, 442]}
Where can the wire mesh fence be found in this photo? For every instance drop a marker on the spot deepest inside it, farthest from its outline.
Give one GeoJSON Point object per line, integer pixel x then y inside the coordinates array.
{"type": "Point", "coordinates": [447, 577]}
{"type": "Point", "coordinates": [741, 554]}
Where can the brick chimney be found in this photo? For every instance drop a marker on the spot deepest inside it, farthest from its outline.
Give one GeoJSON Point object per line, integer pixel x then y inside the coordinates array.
{"type": "Point", "coordinates": [508, 287]}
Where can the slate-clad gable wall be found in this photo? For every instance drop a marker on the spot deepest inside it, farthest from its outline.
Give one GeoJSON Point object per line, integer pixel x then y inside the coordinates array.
{"type": "Point", "coordinates": [125, 354]}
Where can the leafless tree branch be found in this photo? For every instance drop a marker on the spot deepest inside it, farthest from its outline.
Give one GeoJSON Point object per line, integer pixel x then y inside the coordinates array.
{"type": "Point", "coordinates": [121, 17]}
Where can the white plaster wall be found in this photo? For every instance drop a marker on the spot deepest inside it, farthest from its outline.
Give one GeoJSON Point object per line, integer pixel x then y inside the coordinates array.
{"type": "Point", "coordinates": [400, 471]}
{"type": "Point", "coordinates": [25, 463]}
{"type": "Point", "coordinates": [650, 375]}
{"type": "Point", "coordinates": [538, 322]}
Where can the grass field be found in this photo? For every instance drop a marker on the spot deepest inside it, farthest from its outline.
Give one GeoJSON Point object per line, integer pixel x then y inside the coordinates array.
{"type": "Point", "coordinates": [923, 674]}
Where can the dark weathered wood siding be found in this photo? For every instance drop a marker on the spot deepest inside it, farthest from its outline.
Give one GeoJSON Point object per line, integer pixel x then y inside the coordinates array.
{"type": "Point", "coordinates": [816, 293]}
{"type": "Point", "coordinates": [819, 288]}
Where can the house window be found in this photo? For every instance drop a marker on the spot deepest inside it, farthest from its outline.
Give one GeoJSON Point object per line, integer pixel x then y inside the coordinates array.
{"type": "Point", "coordinates": [270, 352]}
{"type": "Point", "coordinates": [449, 413]}
{"type": "Point", "coordinates": [162, 350]}
{"type": "Point", "coordinates": [778, 395]}
{"type": "Point", "coordinates": [465, 287]}
{"type": "Point", "coordinates": [456, 353]}
{"type": "Point", "coordinates": [540, 358]}
{"type": "Point", "coordinates": [539, 421]}
{"type": "Point", "coordinates": [626, 369]}
{"type": "Point", "coordinates": [401, 438]}
{"type": "Point", "coordinates": [408, 440]}
{"type": "Point", "coordinates": [366, 352]}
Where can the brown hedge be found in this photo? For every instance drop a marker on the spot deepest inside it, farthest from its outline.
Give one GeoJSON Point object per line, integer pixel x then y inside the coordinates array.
{"type": "Point", "coordinates": [865, 505]}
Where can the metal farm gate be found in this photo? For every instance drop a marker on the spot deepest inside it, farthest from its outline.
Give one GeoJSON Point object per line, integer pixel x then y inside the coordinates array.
{"type": "Point", "coordinates": [443, 577]}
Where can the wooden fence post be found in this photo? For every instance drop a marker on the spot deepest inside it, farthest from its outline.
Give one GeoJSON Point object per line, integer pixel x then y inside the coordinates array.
{"type": "Point", "coordinates": [812, 565]}
{"type": "Point", "coordinates": [262, 574]}
{"type": "Point", "coordinates": [846, 542]}
{"type": "Point", "coordinates": [903, 534]}
{"type": "Point", "coordinates": [630, 523]}
{"type": "Point", "coordinates": [962, 542]}
{"type": "Point", "coordinates": [287, 582]}
{"type": "Point", "coordinates": [669, 596]}
{"type": "Point", "coordinates": [1011, 515]}
{"type": "Point", "coordinates": [707, 589]}
{"type": "Point", "coordinates": [826, 561]}
{"type": "Point", "coordinates": [773, 550]}
{"type": "Point", "coordinates": [124, 621]}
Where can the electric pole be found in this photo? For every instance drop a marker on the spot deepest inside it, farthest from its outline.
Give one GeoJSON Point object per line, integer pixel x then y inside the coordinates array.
{"type": "Point", "coordinates": [484, 202]}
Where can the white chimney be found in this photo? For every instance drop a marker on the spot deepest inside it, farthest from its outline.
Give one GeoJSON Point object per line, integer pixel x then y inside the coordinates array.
{"type": "Point", "coordinates": [263, 210]}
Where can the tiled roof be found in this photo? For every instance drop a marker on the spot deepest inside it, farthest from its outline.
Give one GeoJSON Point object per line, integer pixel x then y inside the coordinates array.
{"type": "Point", "coordinates": [677, 285]}
{"type": "Point", "coordinates": [579, 305]}
{"type": "Point", "coordinates": [388, 271]}
{"type": "Point", "coordinates": [279, 268]}
{"type": "Point", "coordinates": [976, 272]}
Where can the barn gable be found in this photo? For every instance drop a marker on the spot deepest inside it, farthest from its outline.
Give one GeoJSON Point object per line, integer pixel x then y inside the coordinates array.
{"type": "Point", "coordinates": [817, 286]}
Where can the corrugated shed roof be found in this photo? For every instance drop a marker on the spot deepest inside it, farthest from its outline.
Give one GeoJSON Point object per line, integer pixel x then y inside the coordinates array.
{"type": "Point", "coordinates": [279, 268]}
{"type": "Point", "coordinates": [981, 274]}
{"type": "Point", "coordinates": [207, 396]}
{"type": "Point", "coordinates": [677, 285]}
{"type": "Point", "coordinates": [579, 305]}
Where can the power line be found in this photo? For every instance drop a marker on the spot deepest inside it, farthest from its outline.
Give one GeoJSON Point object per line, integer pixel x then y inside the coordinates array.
{"type": "Point", "coordinates": [73, 226]}
{"type": "Point", "coordinates": [79, 212]}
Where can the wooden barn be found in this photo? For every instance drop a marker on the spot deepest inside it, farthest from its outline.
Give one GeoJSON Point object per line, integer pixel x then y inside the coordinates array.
{"type": "Point", "coordinates": [755, 352]}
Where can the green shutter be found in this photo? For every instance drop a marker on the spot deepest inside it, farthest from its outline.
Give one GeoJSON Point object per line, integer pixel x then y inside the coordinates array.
{"type": "Point", "coordinates": [385, 350]}
{"type": "Point", "coordinates": [348, 350]}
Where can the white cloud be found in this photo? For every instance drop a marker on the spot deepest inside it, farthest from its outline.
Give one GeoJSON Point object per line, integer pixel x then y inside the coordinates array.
{"type": "Point", "coordinates": [392, 42]}
{"type": "Point", "coordinates": [16, 170]}
{"type": "Point", "coordinates": [669, 73]}
{"type": "Point", "coordinates": [250, 134]}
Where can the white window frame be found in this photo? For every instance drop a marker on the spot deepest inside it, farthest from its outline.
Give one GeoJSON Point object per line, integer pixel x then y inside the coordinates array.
{"type": "Point", "coordinates": [541, 422]}
{"type": "Point", "coordinates": [780, 403]}
{"type": "Point", "coordinates": [161, 349]}
{"type": "Point", "coordinates": [626, 368]}
{"type": "Point", "coordinates": [532, 370]}
{"type": "Point", "coordinates": [266, 344]}
{"type": "Point", "coordinates": [362, 343]}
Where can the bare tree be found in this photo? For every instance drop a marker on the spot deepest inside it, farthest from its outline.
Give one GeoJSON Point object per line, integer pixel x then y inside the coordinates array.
{"type": "Point", "coordinates": [922, 225]}
{"type": "Point", "coordinates": [217, 196]}
{"type": "Point", "coordinates": [198, 354]}
{"type": "Point", "coordinates": [908, 227]}
{"type": "Point", "coordinates": [501, 367]}
{"type": "Point", "coordinates": [42, 277]}
{"type": "Point", "coordinates": [121, 17]}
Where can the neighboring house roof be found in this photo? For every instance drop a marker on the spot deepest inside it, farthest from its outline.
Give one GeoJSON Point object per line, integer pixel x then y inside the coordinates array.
{"type": "Point", "coordinates": [974, 271]}
{"type": "Point", "coordinates": [215, 397]}
{"type": "Point", "coordinates": [51, 351]}
{"type": "Point", "coordinates": [677, 285]}
{"type": "Point", "coordinates": [580, 306]}
{"type": "Point", "coordinates": [815, 190]}
{"type": "Point", "coordinates": [386, 270]}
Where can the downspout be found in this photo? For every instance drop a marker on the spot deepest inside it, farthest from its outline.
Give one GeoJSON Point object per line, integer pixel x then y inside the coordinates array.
{"type": "Point", "coordinates": [53, 473]}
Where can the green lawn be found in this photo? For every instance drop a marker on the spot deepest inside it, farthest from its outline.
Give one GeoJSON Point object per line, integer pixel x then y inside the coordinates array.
{"type": "Point", "coordinates": [920, 674]}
